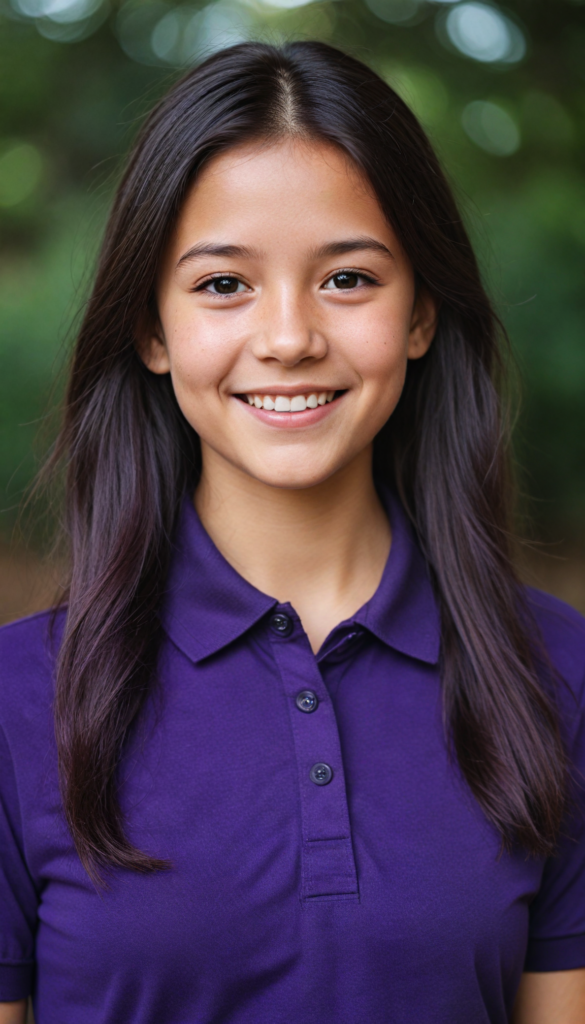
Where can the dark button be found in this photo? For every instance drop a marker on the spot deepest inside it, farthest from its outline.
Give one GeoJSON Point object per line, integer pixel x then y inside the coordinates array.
{"type": "Point", "coordinates": [321, 774]}
{"type": "Point", "coordinates": [306, 701]}
{"type": "Point", "coordinates": [282, 624]}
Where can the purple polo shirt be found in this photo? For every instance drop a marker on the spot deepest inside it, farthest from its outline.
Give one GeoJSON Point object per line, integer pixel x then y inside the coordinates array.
{"type": "Point", "coordinates": [377, 896]}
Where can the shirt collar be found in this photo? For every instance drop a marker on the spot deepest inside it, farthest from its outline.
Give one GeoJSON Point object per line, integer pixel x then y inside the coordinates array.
{"type": "Point", "coordinates": [403, 612]}
{"type": "Point", "coordinates": [209, 605]}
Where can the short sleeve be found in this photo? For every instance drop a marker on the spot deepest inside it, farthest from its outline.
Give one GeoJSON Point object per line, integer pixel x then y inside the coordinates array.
{"type": "Point", "coordinates": [18, 898]}
{"type": "Point", "coordinates": [557, 915]}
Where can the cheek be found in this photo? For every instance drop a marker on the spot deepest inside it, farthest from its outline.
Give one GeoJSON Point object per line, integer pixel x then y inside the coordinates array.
{"type": "Point", "coordinates": [379, 351]}
{"type": "Point", "coordinates": [199, 361]}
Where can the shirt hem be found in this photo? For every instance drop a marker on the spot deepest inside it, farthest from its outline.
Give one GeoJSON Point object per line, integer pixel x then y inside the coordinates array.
{"type": "Point", "coordinates": [15, 981]}
{"type": "Point", "coordinates": [564, 953]}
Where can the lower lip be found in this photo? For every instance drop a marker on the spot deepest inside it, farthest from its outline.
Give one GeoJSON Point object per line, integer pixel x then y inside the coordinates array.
{"type": "Point", "coordinates": [288, 420]}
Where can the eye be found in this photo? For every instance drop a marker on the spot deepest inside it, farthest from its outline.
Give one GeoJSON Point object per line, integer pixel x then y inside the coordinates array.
{"type": "Point", "coordinates": [347, 279]}
{"type": "Point", "coordinates": [225, 284]}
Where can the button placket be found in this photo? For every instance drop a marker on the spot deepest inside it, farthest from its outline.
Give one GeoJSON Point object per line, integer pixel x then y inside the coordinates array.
{"type": "Point", "coordinates": [327, 861]}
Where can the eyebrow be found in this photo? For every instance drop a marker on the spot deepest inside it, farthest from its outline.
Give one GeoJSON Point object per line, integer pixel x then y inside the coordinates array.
{"type": "Point", "coordinates": [362, 244]}
{"type": "Point", "coordinates": [230, 252]}
{"type": "Point", "coordinates": [340, 248]}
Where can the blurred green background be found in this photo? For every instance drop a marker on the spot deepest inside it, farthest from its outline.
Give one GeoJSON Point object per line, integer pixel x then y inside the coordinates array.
{"type": "Point", "coordinates": [500, 89]}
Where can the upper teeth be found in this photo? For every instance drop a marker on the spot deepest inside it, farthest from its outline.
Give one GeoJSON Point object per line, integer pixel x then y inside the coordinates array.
{"type": "Point", "coordinates": [293, 403]}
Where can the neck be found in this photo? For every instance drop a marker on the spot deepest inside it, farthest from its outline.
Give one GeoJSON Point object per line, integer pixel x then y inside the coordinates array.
{"type": "Point", "coordinates": [323, 548]}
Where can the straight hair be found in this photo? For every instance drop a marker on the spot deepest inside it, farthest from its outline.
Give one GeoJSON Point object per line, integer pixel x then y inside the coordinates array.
{"type": "Point", "coordinates": [130, 455]}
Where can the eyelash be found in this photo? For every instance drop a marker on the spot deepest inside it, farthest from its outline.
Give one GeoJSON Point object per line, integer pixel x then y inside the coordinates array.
{"type": "Point", "coordinates": [344, 270]}
{"type": "Point", "coordinates": [217, 277]}
{"type": "Point", "coordinates": [351, 270]}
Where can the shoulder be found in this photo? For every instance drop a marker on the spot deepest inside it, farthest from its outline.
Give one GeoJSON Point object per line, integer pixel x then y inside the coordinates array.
{"type": "Point", "coordinates": [33, 636]}
{"type": "Point", "coordinates": [28, 651]}
{"type": "Point", "coordinates": [563, 632]}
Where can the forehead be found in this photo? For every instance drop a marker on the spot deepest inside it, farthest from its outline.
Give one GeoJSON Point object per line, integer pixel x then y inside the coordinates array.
{"type": "Point", "coordinates": [279, 191]}
{"type": "Point", "coordinates": [286, 163]}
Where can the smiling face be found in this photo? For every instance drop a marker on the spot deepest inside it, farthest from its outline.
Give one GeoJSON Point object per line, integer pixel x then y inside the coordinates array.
{"type": "Point", "coordinates": [287, 313]}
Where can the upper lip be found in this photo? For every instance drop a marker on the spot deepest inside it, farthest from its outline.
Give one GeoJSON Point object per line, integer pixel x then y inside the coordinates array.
{"type": "Point", "coordinates": [290, 390]}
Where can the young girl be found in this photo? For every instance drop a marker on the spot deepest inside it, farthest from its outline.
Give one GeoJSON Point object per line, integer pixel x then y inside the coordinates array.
{"type": "Point", "coordinates": [298, 749]}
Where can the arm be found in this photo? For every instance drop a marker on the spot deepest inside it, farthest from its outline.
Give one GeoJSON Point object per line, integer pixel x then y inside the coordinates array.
{"type": "Point", "coordinates": [550, 997]}
{"type": "Point", "coordinates": [13, 1013]}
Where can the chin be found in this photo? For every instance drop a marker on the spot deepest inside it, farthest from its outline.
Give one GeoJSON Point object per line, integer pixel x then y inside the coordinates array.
{"type": "Point", "coordinates": [293, 478]}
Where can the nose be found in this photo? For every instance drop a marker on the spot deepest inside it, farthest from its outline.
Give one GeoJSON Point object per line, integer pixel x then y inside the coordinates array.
{"type": "Point", "coordinates": [289, 332]}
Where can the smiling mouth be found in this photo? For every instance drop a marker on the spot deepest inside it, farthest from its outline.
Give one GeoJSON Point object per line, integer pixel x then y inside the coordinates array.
{"type": "Point", "coordinates": [291, 403]}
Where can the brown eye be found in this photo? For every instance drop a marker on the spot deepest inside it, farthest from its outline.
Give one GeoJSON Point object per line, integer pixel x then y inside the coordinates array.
{"type": "Point", "coordinates": [346, 279]}
{"type": "Point", "coordinates": [225, 285]}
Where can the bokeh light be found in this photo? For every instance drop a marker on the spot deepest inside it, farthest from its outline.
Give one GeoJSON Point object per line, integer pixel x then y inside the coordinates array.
{"type": "Point", "coordinates": [63, 21]}
{"type": "Point", "coordinates": [395, 12]}
{"type": "Point", "coordinates": [134, 27]}
{"type": "Point", "coordinates": [491, 128]}
{"type": "Point", "coordinates": [482, 32]}
{"type": "Point", "coordinates": [21, 168]}
{"type": "Point", "coordinates": [185, 35]}
{"type": "Point", "coordinates": [58, 10]}
{"type": "Point", "coordinates": [286, 4]}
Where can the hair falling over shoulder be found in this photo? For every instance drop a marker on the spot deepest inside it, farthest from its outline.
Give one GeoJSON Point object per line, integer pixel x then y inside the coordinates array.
{"type": "Point", "coordinates": [130, 455]}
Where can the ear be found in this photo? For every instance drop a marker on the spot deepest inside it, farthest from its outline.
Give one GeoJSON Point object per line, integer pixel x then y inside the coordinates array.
{"type": "Point", "coordinates": [152, 349]}
{"type": "Point", "coordinates": [423, 324]}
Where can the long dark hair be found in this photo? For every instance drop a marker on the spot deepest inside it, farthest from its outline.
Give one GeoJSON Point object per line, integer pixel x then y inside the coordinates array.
{"type": "Point", "coordinates": [130, 455]}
